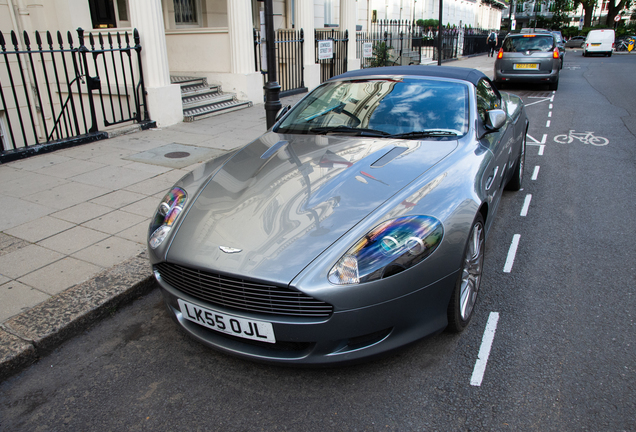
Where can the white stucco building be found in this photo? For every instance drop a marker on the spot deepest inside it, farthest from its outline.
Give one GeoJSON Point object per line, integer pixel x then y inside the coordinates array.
{"type": "Point", "coordinates": [213, 39]}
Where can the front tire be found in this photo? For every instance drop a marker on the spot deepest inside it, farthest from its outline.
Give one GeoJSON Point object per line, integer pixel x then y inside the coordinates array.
{"type": "Point", "coordinates": [517, 178]}
{"type": "Point", "coordinates": [462, 302]}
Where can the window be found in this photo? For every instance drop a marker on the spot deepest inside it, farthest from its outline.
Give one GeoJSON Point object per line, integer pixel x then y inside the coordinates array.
{"type": "Point", "coordinates": [104, 14]}
{"type": "Point", "coordinates": [384, 105]}
{"type": "Point", "coordinates": [487, 99]}
{"type": "Point", "coordinates": [185, 12]}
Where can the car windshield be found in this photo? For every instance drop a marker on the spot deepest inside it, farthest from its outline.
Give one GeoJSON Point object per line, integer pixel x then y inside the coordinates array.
{"type": "Point", "coordinates": [529, 43]}
{"type": "Point", "coordinates": [396, 107]}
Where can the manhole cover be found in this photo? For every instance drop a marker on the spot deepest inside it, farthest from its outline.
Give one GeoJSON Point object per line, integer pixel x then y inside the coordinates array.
{"type": "Point", "coordinates": [177, 155]}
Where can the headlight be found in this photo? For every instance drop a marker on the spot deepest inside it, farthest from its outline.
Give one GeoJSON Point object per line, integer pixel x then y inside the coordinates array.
{"type": "Point", "coordinates": [389, 248]}
{"type": "Point", "coordinates": [169, 209]}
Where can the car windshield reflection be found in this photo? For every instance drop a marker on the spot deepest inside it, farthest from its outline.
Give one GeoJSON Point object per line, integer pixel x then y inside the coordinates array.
{"type": "Point", "coordinates": [404, 108]}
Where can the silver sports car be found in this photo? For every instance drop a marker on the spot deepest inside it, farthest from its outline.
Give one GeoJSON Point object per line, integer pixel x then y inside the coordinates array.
{"type": "Point", "coordinates": [354, 226]}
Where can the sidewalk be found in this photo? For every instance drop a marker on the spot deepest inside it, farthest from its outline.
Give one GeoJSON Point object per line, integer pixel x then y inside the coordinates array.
{"type": "Point", "coordinates": [73, 224]}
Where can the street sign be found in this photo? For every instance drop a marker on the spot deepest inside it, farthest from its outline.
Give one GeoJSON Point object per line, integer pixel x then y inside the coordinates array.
{"type": "Point", "coordinates": [513, 26]}
{"type": "Point", "coordinates": [617, 18]}
{"type": "Point", "coordinates": [581, 22]}
{"type": "Point", "coordinates": [367, 50]}
{"type": "Point", "coordinates": [325, 49]}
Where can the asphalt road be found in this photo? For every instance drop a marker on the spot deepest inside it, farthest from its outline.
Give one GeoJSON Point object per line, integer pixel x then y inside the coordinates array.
{"type": "Point", "coordinates": [563, 355]}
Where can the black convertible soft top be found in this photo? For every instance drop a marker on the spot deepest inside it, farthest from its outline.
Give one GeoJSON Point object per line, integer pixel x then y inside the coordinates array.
{"type": "Point", "coordinates": [465, 74]}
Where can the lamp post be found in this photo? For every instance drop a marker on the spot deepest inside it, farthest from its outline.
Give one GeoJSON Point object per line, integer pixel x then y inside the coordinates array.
{"type": "Point", "coordinates": [439, 34]}
{"type": "Point", "coordinates": [272, 88]}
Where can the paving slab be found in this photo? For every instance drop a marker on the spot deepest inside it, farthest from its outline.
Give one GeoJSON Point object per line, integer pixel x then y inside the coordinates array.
{"type": "Point", "coordinates": [73, 240]}
{"type": "Point", "coordinates": [60, 275]}
{"type": "Point", "coordinates": [174, 155]}
{"type": "Point", "coordinates": [27, 259]}
{"type": "Point", "coordinates": [16, 297]}
{"type": "Point", "coordinates": [40, 229]}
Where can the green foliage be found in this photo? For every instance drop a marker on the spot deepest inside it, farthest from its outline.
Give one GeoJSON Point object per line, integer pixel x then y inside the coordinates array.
{"type": "Point", "coordinates": [381, 55]}
{"type": "Point", "coordinates": [427, 23]}
{"type": "Point", "coordinates": [560, 18]}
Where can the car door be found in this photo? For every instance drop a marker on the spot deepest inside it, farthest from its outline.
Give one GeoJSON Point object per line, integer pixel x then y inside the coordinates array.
{"type": "Point", "coordinates": [499, 143]}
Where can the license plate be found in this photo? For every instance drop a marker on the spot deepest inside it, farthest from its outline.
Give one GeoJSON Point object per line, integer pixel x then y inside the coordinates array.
{"type": "Point", "coordinates": [596, 44]}
{"type": "Point", "coordinates": [526, 66]}
{"type": "Point", "coordinates": [229, 324]}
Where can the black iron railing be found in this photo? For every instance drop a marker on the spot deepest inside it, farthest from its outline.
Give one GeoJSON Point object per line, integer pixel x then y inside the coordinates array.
{"type": "Point", "coordinates": [411, 44]}
{"type": "Point", "coordinates": [289, 60]}
{"type": "Point", "coordinates": [48, 90]}
{"type": "Point", "coordinates": [337, 64]}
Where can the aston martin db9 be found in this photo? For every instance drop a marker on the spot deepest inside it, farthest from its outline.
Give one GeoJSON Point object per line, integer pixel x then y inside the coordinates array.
{"type": "Point", "coordinates": [354, 226]}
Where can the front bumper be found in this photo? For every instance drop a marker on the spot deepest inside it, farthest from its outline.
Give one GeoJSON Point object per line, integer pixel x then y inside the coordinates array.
{"type": "Point", "coordinates": [345, 336]}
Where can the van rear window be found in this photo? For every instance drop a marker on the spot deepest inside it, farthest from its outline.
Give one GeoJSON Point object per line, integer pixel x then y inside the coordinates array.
{"type": "Point", "coordinates": [535, 43]}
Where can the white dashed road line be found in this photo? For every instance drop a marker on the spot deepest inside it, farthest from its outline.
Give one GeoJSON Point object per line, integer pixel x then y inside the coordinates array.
{"type": "Point", "coordinates": [484, 349]}
{"type": "Point", "coordinates": [535, 173]}
{"type": "Point", "coordinates": [526, 205]}
{"type": "Point", "coordinates": [512, 252]}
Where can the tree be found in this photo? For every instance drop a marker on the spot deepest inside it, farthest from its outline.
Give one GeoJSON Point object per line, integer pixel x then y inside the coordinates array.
{"type": "Point", "coordinates": [560, 17]}
{"type": "Point", "coordinates": [588, 10]}
{"type": "Point", "coordinates": [614, 7]}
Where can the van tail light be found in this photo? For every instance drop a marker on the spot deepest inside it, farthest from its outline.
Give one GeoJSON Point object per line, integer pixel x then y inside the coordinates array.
{"type": "Point", "coordinates": [555, 53]}
{"type": "Point", "coordinates": [612, 45]}
{"type": "Point", "coordinates": [500, 53]}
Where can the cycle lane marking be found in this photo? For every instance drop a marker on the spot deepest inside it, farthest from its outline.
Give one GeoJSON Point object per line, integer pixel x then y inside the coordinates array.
{"type": "Point", "coordinates": [535, 142]}
{"type": "Point", "coordinates": [484, 350]}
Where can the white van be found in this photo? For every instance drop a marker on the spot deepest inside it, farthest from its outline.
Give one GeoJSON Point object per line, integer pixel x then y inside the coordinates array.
{"type": "Point", "coordinates": [599, 42]}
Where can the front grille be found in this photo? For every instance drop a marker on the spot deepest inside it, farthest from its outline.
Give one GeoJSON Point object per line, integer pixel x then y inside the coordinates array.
{"type": "Point", "coordinates": [242, 294]}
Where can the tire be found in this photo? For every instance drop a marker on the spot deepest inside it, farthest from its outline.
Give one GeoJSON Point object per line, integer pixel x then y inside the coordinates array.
{"type": "Point", "coordinates": [609, 55]}
{"type": "Point", "coordinates": [515, 182]}
{"type": "Point", "coordinates": [584, 53]}
{"type": "Point", "coordinates": [561, 67]}
{"type": "Point", "coordinates": [554, 86]}
{"type": "Point", "coordinates": [462, 302]}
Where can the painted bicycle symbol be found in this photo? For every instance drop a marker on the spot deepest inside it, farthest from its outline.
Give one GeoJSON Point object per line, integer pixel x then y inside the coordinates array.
{"type": "Point", "coordinates": [584, 137]}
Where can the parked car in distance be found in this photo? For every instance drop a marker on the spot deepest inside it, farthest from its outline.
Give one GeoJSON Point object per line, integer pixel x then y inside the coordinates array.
{"type": "Point", "coordinates": [560, 44]}
{"type": "Point", "coordinates": [528, 58]}
{"type": "Point", "coordinates": [575, 42]}
{"type": "Point", "coordinates": [599, 42]}
{"type": "Point", "coordinates": [356, 225]}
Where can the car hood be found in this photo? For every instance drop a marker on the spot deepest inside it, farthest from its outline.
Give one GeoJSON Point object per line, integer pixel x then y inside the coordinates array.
{"type": "Point", "coordinates": [283, 199]}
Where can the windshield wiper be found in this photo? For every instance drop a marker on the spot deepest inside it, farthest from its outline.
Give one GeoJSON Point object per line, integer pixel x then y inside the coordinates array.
{"type": "Point", "coordinates": [336, 108]}
{"type": "Point", "coordinates": [350, 130]}
{"type": "Point", "coordinates": [424, 134]}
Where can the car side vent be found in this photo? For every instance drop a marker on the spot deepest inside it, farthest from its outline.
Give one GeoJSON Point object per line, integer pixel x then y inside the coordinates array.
{"type": "Point", "coordinates": [392, 154]}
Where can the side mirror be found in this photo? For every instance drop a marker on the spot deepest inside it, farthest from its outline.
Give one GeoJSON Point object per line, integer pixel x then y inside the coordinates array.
{"type": "Point", "coordinates": [496, 119]}
{"type": "Point", "coordinates": [282, 112]}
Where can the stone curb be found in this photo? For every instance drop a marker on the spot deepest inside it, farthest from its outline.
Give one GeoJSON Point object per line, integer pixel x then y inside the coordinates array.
{"type": "Point", "coordinates": [36, 332]}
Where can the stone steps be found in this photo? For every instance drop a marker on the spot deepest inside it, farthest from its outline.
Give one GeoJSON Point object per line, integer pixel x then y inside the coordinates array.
{"type": "Point", "coordinates": [201, 100]}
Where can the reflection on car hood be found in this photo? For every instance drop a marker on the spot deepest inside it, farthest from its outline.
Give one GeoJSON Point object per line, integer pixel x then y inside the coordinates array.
{"type": "Point", "coordinates": [284, 199]}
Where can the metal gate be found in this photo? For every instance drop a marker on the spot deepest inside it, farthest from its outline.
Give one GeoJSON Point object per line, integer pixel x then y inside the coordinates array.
{"type": "Point", "coordinates": [337, 64]}
{"type": "Point", "coordinates": [290, 72]}
{"type": "Point", "coordinates": [64, 95]}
